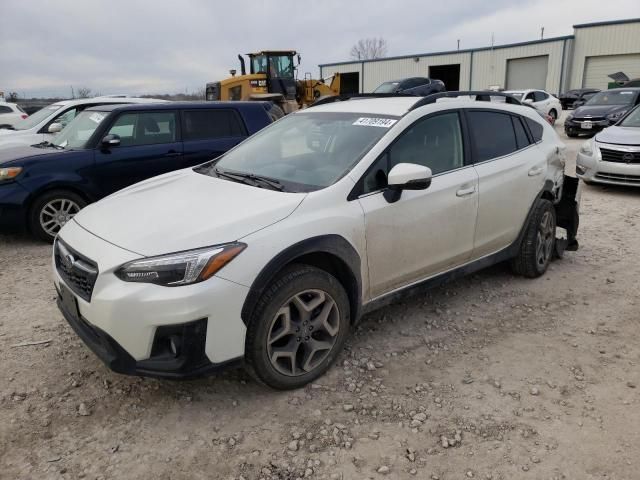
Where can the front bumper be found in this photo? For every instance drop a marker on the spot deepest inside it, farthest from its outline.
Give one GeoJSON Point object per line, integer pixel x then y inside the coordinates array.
{"type": "Point", "coordinates": [594, 169]}
{"type": "Point", "coordinates": [13, 201]}
{"type": "Point", "coordinates": [573, 126]}
{"type": "Point", "coordinates": [149, 330]}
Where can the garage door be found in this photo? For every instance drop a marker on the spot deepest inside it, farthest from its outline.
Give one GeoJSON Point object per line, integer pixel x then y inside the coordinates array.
{"type": "Point", "coordinates": [596, 69]}
{"type": "Point", "coordinates": [529, 72]}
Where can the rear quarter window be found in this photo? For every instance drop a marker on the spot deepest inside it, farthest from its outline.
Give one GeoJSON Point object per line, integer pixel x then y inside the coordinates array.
{"type": "Point", "coordinates": [535, 128]}
{"type": "Point", "coordinates": [208, 124]}
{"type": "Point", "coordinates": [492, 134]}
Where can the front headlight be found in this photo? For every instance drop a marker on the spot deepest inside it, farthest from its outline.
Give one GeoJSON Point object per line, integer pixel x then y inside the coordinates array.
{"type": "Point", "coordinates": [9, 173]}
{"type": "Point", "coordinates": [615, 116]}
{"type": "Point", "coordinates": [182, 268]}
{"type": "Point", "coordinates": [586, 148]}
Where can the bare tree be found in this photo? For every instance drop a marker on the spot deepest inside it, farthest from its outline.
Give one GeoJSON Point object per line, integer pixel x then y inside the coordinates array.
{"type": "Point", "coordinates": [84, 92]}
{"type": "Point", "coordinates": [369, 48]}
{"type": "Point", "coordinates": [13, 97]}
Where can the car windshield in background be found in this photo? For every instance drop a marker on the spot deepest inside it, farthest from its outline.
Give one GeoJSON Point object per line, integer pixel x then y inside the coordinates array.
{"type": "Point", "coordinates": [77, 133]}
{"type": "Point", "coordinates": [518, 95]}
{"type": "Point", "coordinates": [305, 151]}
{"type": "Point", "coordinates": [386, 87]}
{"type": "Point", "coordinates": [613, 98]}
{"type": "Point", "coordinates": [632, 120]}
{"type": "Point", "coordinates": [36, 118]}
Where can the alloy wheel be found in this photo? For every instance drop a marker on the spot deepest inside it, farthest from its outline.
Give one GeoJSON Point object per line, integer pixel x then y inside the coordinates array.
{"type": "Point", "coordinates": [303, 332]}
{"type": "Point", "coordinates": [544, 239]}
{"type": "Point", "coordinates": [56, 213]}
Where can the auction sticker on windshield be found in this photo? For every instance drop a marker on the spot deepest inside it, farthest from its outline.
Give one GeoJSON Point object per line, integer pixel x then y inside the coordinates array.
{"type": "Point", "coordinates": [97, 117]}
{"type": "Point", "coordinates": [375, 122]}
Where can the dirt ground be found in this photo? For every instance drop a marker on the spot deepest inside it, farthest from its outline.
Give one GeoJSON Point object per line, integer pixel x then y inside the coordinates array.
{"type": "Point", "coordinates": [490, 377]}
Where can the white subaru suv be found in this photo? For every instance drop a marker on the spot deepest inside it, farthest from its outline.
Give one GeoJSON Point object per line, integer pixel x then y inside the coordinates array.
{"type": "Point", "coordinates": [269, 254]}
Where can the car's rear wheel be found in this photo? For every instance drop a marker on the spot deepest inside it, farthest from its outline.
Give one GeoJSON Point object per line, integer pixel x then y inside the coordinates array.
{"type": "Point", "coordinates": [554, 115]}
{"type": "Point", "coordinates": [298, 328]}
{"type": "Point", "coordinates": [52, 210]}
{"type": "Point", "coordinates": [538, 245]}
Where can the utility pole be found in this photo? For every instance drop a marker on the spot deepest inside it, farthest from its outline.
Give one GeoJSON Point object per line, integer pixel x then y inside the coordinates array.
{"type": "Point", "coordinates": [458, 44]}
{"type": "Point", "coordinates": [73, 95]}
{"type": "Point", "coordinates": [542, 33]}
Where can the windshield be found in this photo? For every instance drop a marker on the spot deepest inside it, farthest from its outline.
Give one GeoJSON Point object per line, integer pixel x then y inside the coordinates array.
{"type": "Point", "coordinates": [386, 87]}
{"type": "Point", "coordinates": [77, 133]}
{"type": "Point", "coordinates": [620, 97]}
{"type": "Point", "coordinates": [36, 118]}
{"type": "Point", "coordinates": [632, 120]}
{"type": "Point", "coordinates": [305, 151]}
{"type": "Point", "coordinates": [518, 95]}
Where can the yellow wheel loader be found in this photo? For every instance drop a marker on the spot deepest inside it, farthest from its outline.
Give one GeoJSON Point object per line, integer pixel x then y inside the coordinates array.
{"type": "Point", "coordinates": [272, 77]}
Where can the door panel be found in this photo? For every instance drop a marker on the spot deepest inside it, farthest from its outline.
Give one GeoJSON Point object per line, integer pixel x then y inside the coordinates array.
{"type": "Point", "coordinates": [149, 147]}
{"type": "Point", "coordinates": [423, 233]}
{"type": "Point", "coordinates": [511, 173]}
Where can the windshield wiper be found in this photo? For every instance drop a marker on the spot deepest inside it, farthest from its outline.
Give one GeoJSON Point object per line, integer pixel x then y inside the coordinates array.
{"type": "Point", "coordinates": [46, 144]}
{"type": "Point", "coordinates": [255, 180]}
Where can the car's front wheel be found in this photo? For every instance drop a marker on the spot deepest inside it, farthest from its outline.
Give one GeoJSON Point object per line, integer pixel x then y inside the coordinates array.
{"type": "Point", "coordinates": [554, 116]}
{"type": "Point", "coordinates": [538, 245]}
{"type": "Point", "coordinates": [298, 328]}
{"type": "Point", "coordinates": [51, 211]}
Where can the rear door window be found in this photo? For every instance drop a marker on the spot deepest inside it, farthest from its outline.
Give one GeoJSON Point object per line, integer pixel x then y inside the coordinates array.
{"type": "Point", "coordinates": [540, 96]}
{"type": "Point", "coordinates": [4, 109]}
{"type": "Point", "coordinates": [209, 124]}
{"type": "Point", "coordinates": [492, 134]}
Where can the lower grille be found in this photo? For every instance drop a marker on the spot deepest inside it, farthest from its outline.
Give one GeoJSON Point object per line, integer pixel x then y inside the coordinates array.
{"type": "Point", "coordinates": [618, 156]}
{"type": "Point", "coordinates": [615, 177]}
{"type": "Point", "coordinates": [78, 271]}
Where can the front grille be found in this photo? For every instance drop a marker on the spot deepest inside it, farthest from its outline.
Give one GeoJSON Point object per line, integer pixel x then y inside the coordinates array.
{"type": "Point", "coordinates": [589, 119]}
{"type": "Point", "coordinates": [617, 156]}
{"type": "Point", "coordinates": [78, 271]}
{"type": "Point", "coordinates": [615, 177]}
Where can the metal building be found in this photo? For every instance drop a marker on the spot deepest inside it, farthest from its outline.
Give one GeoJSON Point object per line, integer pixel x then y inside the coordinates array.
{"type": "Point", "coordinates": [583, 59]}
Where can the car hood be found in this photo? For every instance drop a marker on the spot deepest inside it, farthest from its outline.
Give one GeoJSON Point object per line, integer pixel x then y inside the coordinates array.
{"type": "Point", "coordinates": [599, 110]}
{"type": "Point", "coordinates": [21, 152]}
{"type": "Point", "coordinates": [620, 135]}
{"type": "Point", "coordinates": [184, 210]}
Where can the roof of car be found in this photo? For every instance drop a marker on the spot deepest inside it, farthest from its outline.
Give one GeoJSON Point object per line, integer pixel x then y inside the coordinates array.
{"type": "Point", "coordinates": [395, 106]}
{"type": "Point", "coordinates": [175, 105]}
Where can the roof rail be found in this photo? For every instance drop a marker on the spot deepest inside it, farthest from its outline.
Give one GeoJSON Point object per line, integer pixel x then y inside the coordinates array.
{"type": "Point", "coordinates": [481, 96]}
{"type": "Point", "coordinates": [355, 96]}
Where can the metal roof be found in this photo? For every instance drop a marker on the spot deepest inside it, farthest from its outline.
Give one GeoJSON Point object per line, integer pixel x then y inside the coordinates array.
{"type": "Point", "coordinates": [609, 22]}
{"type": "Point", "coordinates": [451, 52]}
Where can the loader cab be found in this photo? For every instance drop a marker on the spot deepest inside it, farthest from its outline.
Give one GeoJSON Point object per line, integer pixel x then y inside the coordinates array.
{"type": "Point", "coordinates": [279, 67]}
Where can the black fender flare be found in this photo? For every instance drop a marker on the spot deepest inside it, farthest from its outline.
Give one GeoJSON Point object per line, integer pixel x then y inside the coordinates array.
{"type": "Point", "coordinates": [334, 245]}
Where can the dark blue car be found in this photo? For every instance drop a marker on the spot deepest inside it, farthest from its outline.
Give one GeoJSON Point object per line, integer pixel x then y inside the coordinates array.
{"type": "Point", "coordinates": [109, 147]}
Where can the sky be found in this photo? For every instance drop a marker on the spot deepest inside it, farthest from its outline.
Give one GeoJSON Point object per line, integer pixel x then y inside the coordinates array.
{"type": "Point", "coordinates": [172, 46]}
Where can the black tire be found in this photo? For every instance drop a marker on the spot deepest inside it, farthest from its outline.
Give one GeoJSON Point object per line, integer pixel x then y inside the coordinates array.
{"type": "Point", "coordinates": [538, 245]}
{"type": "Point", "coordinates": [40, 204]}
{"type": "Point", "coordinates": [275, 113]}
{"type": "Point", "coordinates": [278, 297]}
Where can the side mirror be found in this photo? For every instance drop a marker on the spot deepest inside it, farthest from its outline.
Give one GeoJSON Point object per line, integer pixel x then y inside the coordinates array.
{"type": "Point", "coordinates": [406, 176]}
{"type": "Point", "coordinates": [54, 128]}
{"type": "Point", "coordinates": [529, 100]}
{"type": "Point", "coordinates": [111, 140]}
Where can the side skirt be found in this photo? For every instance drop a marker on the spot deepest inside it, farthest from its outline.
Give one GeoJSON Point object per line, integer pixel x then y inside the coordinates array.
{"type": "Point", "coordinates": [441, 279]}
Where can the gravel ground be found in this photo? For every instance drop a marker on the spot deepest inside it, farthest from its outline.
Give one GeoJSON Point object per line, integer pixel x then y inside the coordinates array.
{"type": "Point", "coordinates": [490, 377]}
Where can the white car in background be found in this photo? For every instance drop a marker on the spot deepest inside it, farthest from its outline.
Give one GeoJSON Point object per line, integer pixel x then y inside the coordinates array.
{"type": "Point", "coordinates": [613, 155]}
{"type": "Point", "coordinates": [10, 114]}
{"type": "Point", "coordinates": [542, 101]}
{"type": "Point", "coordinates": [43, 124]}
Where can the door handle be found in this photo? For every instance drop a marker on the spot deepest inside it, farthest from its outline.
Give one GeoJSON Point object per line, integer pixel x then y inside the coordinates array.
{"type": "Point", "coordinates": [464, 191]}
{"type": "Point", "coordinates": [535, 171]}
{"type": "Point", "coordinates": [173, 153]}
